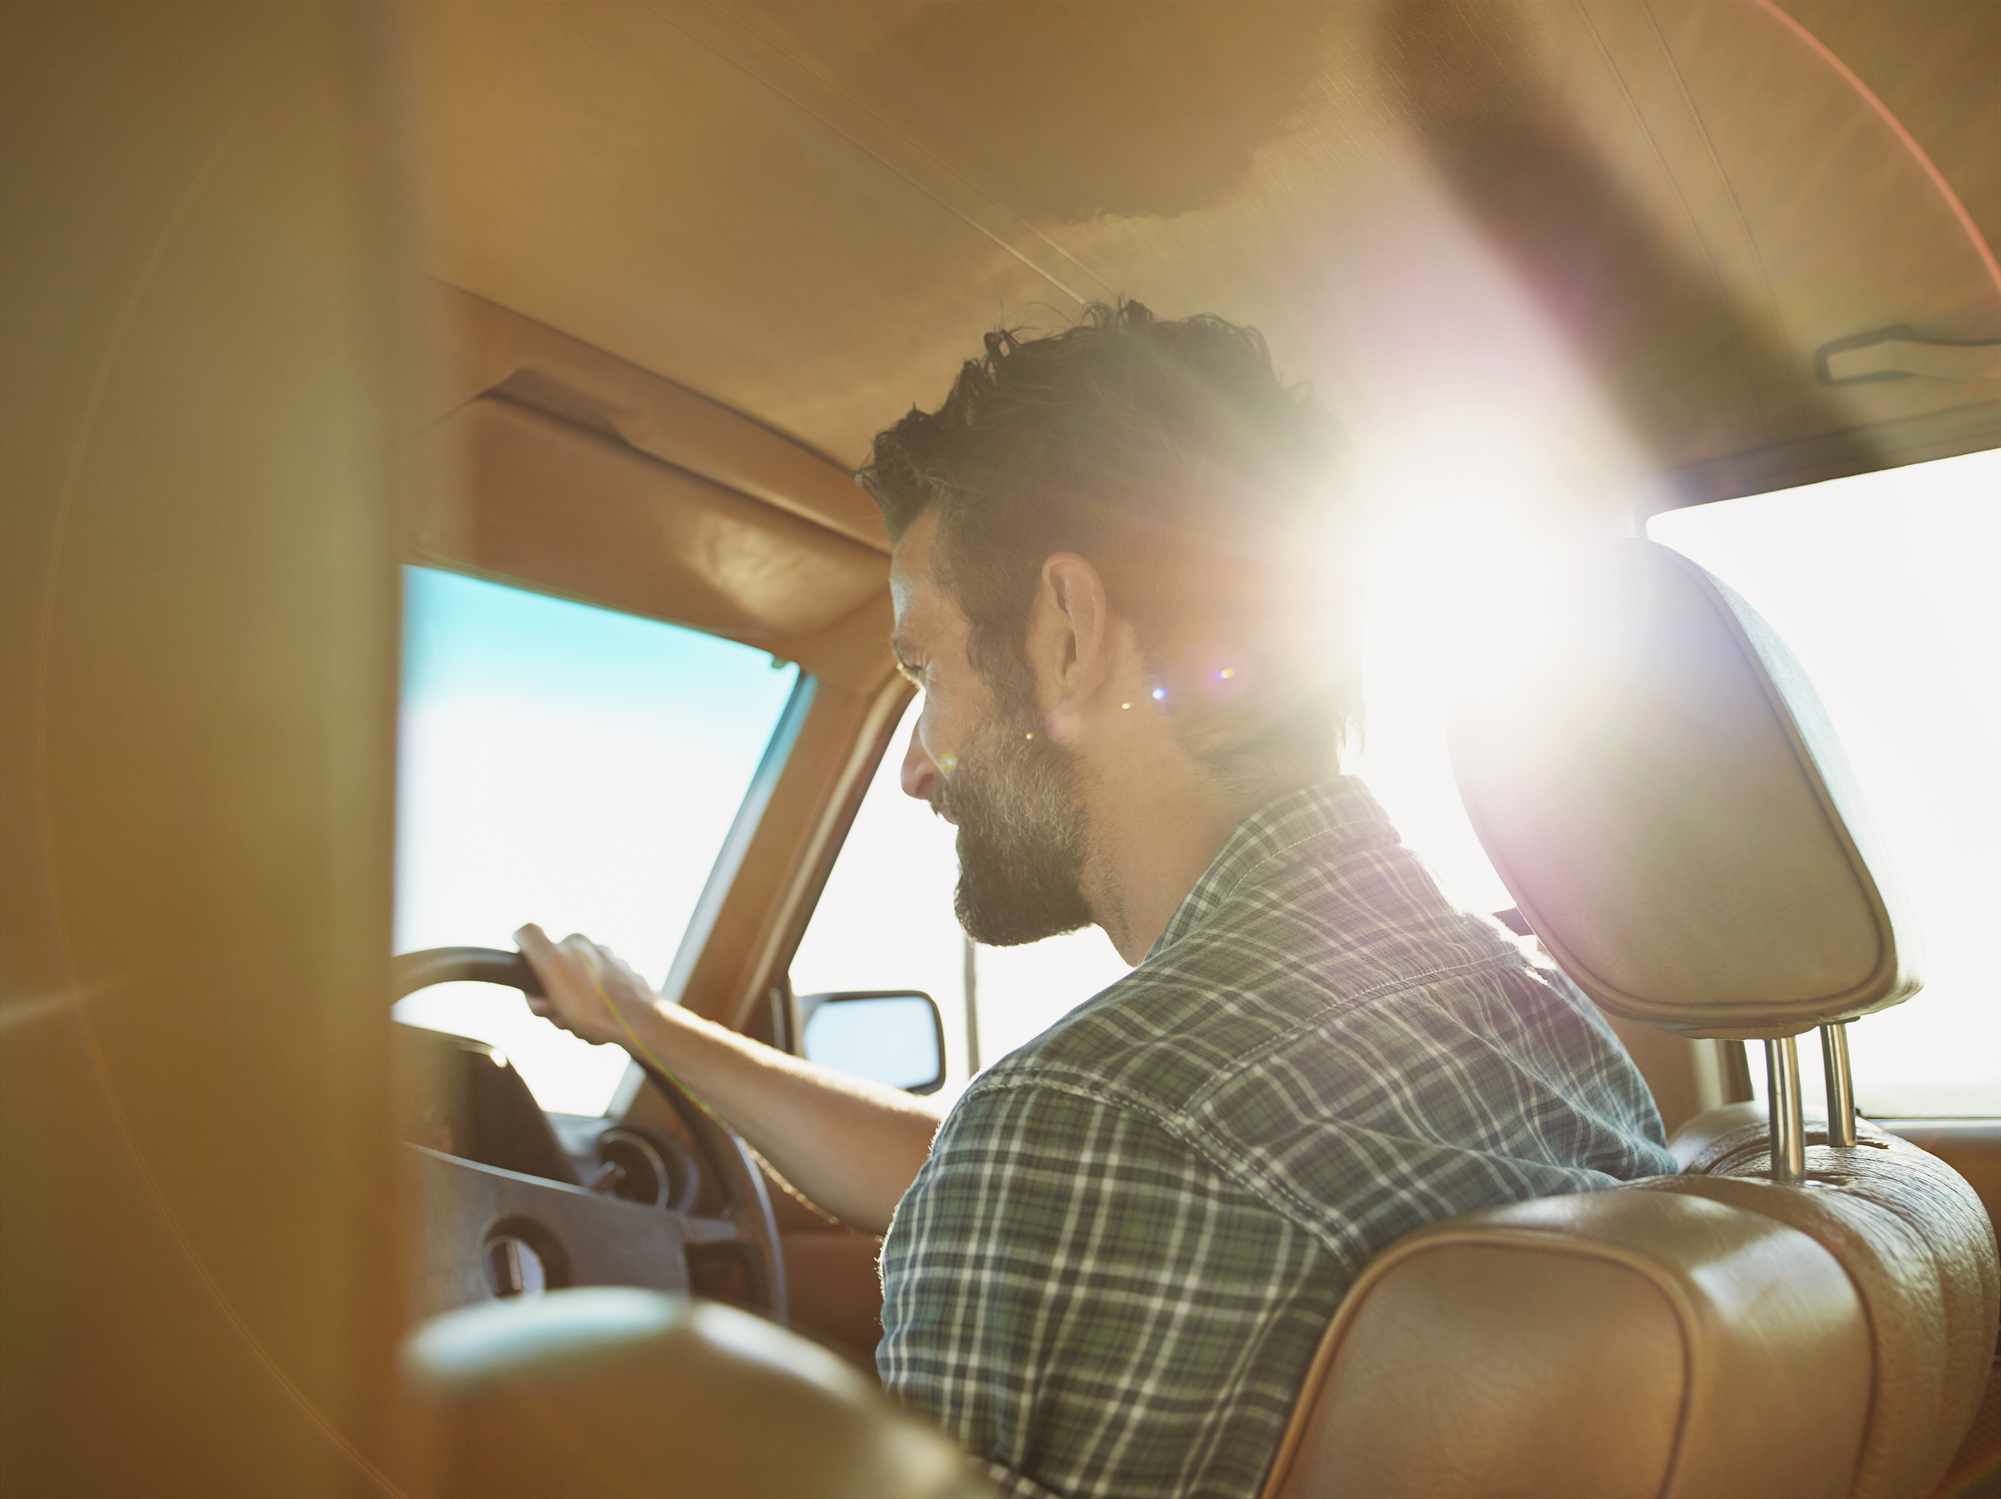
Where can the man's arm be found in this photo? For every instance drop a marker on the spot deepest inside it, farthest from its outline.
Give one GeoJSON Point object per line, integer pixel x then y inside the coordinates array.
{"type": "Point", "coordinates": [851, 1145]}
{"type": "Point", "coordinates": [1090, 1307]}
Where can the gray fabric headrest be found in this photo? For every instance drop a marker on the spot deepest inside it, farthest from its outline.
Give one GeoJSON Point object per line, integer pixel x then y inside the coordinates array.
{"type": "Point", "coordinates": [1659, 788]}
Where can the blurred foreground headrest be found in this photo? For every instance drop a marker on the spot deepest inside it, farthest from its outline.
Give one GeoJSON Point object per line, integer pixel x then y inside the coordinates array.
{"type": "Point", "coordinates": [608, 1391]}
{"type": "Point", "coordinates": [1659, 788]}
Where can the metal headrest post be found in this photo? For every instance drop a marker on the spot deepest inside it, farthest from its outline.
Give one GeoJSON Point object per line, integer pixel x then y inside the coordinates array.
{"type": "Point", "coordinates": [1840, 1083]}
{"type": "Point", "coordinates": [1782, 1099]}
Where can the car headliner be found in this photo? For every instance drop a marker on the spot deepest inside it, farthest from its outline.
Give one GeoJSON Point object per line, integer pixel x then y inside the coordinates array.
{"type": "Point", "coordinates": [1623, 229]}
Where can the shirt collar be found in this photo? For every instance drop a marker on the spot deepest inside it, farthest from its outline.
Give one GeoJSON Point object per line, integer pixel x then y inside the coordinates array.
{"type": "Point", "coordinates": [1338, 810]}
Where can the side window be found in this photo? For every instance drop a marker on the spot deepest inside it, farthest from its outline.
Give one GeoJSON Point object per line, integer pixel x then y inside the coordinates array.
{"type": "Point", "coordinates": [1883, 587]}
{"type": "Point", "coordinates": [885, 922]}
{"type": "Point", "coordinates": [569, 766]}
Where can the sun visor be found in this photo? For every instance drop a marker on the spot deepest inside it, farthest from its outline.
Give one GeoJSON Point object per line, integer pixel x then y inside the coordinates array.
{"type": "Point", "coordinates": [560, 509]}
{"type": "Point", "coordinates": [1657, 784]}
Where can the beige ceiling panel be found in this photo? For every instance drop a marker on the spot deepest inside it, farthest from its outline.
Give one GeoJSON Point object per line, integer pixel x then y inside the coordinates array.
{"type": "Point", "coordinates": [1075, 112]}
{"type": "Point", "coordinates": [1695, 195]}
{"type": "Point", "coordinates": [1850, 231]}
{"type": "Point", "coordinates": [1311, 213]}
{"type": "Point", "coordinates": [605, 172]}
{"type": "Point", "coordinates": [1933, 65]}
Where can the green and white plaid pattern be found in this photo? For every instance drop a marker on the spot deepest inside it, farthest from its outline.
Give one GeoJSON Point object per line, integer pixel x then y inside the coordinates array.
{"type": "Point", "coordinates": [1111, 1275]}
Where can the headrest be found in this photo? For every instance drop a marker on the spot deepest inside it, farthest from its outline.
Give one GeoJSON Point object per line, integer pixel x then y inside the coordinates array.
{"type": "Point", "coordinates": [1660, 790]}
{"type": "Point", "coordinates": [613, 1390]}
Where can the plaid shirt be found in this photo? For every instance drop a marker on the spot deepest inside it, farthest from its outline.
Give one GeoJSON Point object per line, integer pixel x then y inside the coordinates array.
{"type": "Point", "coordinates": [1112, 1273]}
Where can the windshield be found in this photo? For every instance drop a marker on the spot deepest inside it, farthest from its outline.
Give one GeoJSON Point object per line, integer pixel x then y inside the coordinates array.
{"type": "Point", "coordinates": [569, 766]}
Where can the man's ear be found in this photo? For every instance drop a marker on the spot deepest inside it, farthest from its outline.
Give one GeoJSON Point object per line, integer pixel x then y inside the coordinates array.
{"type": "Point", "coordinates": [1071, 642]}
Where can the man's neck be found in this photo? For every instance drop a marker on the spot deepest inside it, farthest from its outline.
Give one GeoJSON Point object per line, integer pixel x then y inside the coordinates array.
{"type": "Point", "coordinates": [1152, 836]}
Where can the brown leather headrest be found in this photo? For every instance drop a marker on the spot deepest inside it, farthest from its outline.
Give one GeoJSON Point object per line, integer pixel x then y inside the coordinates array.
{"type": "Point", "coordinates": [1657, 784]}
{"type": "Point", "coordinates": [614, 1391]}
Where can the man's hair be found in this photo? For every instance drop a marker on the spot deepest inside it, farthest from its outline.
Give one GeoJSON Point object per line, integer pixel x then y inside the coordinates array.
{"type": "Point", "coordinates": [1173, 458]}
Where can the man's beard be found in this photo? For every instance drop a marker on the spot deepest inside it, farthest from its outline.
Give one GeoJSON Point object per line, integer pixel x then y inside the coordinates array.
{"type": "Point", "coordinates": [1022, 835]}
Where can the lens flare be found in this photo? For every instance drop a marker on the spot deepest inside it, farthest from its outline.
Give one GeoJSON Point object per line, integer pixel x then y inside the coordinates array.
{"type": "Point", "coordinates": [1468, 524]}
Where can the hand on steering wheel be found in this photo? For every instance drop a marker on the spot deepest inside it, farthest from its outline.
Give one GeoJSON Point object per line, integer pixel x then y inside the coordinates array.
{"type": "Point", "coordinates": [587, 990]}
{"type": "Point", "coordinates": [595, 994]}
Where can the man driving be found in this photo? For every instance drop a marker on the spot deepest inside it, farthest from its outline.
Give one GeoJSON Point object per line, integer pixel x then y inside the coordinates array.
{"type": "Point", "coordinates": [1107, 1269]}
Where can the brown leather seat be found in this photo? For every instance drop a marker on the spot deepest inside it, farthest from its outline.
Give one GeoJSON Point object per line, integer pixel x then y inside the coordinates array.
{"type": "Point", "coordinates": [1672, 815]}
{"type": "Point", "coordinates": [1703, 1335]}
{"type": "Point", "coordinates": [1917, 1244]}
{"type": "Point", "coordinates": [1617, 1345]}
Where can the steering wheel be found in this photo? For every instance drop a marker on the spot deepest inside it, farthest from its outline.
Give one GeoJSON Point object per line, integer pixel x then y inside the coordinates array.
{"type": "Point", "coordinates": [746, 1204]}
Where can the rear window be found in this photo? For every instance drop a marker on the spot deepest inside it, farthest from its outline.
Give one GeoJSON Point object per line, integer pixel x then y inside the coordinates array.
{"type": "Point", "coordinates": [1883, 586]}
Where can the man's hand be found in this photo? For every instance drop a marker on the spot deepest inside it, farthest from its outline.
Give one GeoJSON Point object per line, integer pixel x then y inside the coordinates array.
{"type": "Point", "coordinates": [851, 1146]}
{"type": "Point", "coordinates": [587, 990]}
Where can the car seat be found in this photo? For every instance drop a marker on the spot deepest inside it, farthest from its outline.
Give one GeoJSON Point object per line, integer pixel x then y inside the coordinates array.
{"type": "Point", "coordinates": [1805, 1309]}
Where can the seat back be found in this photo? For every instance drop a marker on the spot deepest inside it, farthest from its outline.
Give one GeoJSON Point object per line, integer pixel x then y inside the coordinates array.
{"type": "Point", "coordinates": [1916, 1242]}
{"type": "Point", "coordinates": [1710, 1335]}
{"type": "Point", "coordinates": [1661, 792]}
{"type": "Point", "coordinates": [1614, 1345]}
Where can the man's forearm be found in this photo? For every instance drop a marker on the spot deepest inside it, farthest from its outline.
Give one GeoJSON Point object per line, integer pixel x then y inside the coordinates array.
{"type": "Point", "coordinates": [852, 1146]}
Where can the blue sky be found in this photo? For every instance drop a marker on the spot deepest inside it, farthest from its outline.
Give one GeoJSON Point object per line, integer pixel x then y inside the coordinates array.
{"type": "Point", "coordinates": [467, 637]}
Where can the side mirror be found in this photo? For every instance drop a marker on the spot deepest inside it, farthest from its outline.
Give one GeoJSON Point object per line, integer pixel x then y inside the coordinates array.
{"type": "Point", "coordinates": [888, 1036]}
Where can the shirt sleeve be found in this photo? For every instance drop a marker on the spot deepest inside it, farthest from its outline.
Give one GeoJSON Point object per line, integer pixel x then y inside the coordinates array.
{"type": "Point", "coordinates": [1080, 1299]}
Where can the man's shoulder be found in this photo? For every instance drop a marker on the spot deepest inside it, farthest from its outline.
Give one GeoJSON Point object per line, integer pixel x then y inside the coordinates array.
{"type": "Point", "coordinates": [1316, 1002]}
{"type": "Point", "coordinates": [1278, 968]}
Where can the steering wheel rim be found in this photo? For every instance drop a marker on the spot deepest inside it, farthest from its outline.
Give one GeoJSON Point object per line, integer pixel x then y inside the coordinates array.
{"type": "Point", "coordinates": [746, 1203]}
